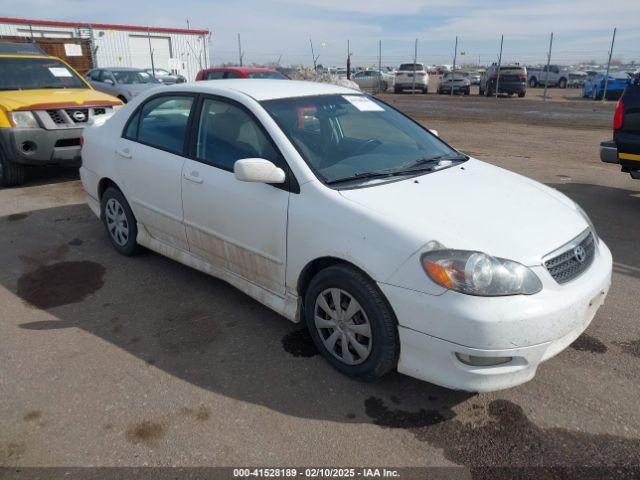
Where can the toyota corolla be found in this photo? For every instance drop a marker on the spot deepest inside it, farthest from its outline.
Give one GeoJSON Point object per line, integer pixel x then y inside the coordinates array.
{"type": "Point", "coordinates": [397, 251]}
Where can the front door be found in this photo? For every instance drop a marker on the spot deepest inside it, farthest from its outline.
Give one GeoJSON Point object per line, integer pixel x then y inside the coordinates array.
{"type": "Point", "coordinates": [239, 226]}
{"type": "Point", "coordinates": [150, 158]}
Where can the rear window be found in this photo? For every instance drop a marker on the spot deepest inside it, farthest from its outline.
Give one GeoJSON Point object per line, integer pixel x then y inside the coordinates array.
{"type": "Point", "coordinates": [410, 66]}
{"type": "Point", "coordinates": [272, 75]}
{"type": "Point", "coordinates": [36, 73]}
{"type": "Point", "coordinates": [515, 70]}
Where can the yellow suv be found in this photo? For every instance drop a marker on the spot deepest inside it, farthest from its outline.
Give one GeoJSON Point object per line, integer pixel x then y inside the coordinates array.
{"type": "Point", "coordinates": [44, 105]}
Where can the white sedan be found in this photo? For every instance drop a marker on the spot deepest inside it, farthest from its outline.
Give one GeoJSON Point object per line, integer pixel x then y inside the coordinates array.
{"type": "Point", "coordinates": [334, 209]}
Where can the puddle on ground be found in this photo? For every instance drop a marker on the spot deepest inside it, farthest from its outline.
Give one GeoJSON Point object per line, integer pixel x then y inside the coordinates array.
{"type": "Point", "coordinates": [587, 343]}
{"type": "Point", "coordinates": [59, 284]}
{"type": "Point", "coordinates": [299, 343]}
{"type": "Point", "coordinates": [504, 435]}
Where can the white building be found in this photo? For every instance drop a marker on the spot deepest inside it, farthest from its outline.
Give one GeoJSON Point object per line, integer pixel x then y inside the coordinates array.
{"type": "Point", "coordinates": [184, 50]}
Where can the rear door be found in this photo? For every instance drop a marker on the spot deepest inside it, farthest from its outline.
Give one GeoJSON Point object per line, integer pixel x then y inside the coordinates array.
{"type": "Point", "coordinates": [149, 159]}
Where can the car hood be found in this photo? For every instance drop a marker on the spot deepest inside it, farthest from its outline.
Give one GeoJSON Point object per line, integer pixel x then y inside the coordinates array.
{"type": "Point", "coordinates": [52, 98]}
{"type": "Point", "coordinates": [477, 206]}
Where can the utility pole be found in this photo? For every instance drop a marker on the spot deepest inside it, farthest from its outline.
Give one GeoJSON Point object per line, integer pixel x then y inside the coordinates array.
{"type": "Point", "coordinates": [606, 79]}
{"type": "Point", "coordinates": [153, 68]}
{"type": "Point", "coordinates": [499, 64]}
{"type": "Point", "coordinates": [546, 77]}
{"type": "Point", "coordinates": [379, 66]}
{"type": "Point", "coordinates": [455, 57]}
{"type": "Point", "coordinates": [415, 59]}
{"type": "Point", "coordinates": [348, 61]}
{"type": "Point", "coordinates": [240, 53]}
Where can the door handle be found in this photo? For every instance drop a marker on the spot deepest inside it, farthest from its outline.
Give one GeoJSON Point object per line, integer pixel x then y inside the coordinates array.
{"type": "Point", "coordinates": [193, 177]}
{"type": "Point", "coordinates": [124, 153]}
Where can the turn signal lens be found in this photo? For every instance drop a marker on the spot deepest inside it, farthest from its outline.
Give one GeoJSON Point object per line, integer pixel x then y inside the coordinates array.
{"type": "Point", "coordinates": [438, 274]}
{"type": "Point", "coordinates": [618, 115]}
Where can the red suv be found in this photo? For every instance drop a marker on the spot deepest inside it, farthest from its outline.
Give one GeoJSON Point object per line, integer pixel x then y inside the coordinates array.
{"type": "Point", "coordinates": [219, 73]}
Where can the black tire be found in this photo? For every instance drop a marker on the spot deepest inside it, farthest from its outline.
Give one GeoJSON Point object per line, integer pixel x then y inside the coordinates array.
{"type": "Point", "coordinates": [385, 343]}
{"type": "Point", "coordinates": [11, 174]}
{"type": "Point", "coordinates": [397, 90]}
{"type": "Point", "coordinates": [131, 247]}
{"type": "Point", "coordinates": [521, 94]}
{"type": "Point", "coordinates": [384, 86]}
{"type": "Point", "coordinates": [480, 91]}
{"type": "Point", "coordinates": [488, 92]}
{"type": "Point", "coordinates": [533, 82]}
{"type": "Point", "coordinates": [122, 98]}
{"type": "Point", "coordinates": [562, 83]}
{"type": "Point", "coordinates": [467, 91]}
{"type": "Point", "coordinates": [425, 90]}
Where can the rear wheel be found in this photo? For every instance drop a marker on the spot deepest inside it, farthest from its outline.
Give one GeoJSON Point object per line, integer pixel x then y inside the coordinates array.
{"type": "Point", "coordinates": [533, 82]}
{"type": "Point", "coordinates": [351, 323]}
{"type": "Point", "coordinates": [521, 94]}
{"type": "Point", "coordinates": [119, 222]}
{"type": "Point", "coordinates": [397, 90]}
{"type": "Point", "coordinates": [11, 174]}
{"type": "Point", "coordinates": [562, 83]}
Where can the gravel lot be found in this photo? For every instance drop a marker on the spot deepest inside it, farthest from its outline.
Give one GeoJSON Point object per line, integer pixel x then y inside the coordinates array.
{"type": "Point", "coordinates": [114, 361]}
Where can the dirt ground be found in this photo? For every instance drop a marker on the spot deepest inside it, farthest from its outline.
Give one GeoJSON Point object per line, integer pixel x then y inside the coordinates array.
{"type": "Point", "coordinates": [114, 361]}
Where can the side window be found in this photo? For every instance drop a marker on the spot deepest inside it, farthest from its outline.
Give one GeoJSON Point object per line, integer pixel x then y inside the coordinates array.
{"type": "Point", "coordinates": [104, 74]}
{"type": "Point", "coordinates": [231, 75]}
{"type": "Point", "coordinates": [227, 133]}
{"type": "Point", "coordinates": [94, 75]}
{"type": "Point", "coordinates": [214, 76]}
{"type": "Point", "coordinates": [131, 132]}
{"type": "Point", "coordinates": [163, 122]}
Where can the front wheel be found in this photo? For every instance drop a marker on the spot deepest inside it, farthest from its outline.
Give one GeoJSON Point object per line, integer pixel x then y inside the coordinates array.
{"type": "Point", "coordinates": [351, 323]}
{"type": "Point", "coordinates": [119, 222]}
{"type": "Point", "coordinates": [562, 83]}
{"type": "Point", "coordinates": [533, 83]}
{"type": "Point", "coordinates": [11, 174]}
{"type": "Point", "coordinates": [521, 94]}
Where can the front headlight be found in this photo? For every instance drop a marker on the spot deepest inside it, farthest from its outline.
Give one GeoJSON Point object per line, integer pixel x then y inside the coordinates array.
{"type": "Point", "coordinates": [476, 273]}
{"type": "Point", "coordinates": [24, 119]}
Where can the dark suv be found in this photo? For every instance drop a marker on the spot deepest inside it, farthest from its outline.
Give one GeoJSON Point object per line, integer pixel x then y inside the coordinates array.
{"type": "Point", "coordinates": [509, 79]}
{"type": "Point", "coordinates": [625, 146]}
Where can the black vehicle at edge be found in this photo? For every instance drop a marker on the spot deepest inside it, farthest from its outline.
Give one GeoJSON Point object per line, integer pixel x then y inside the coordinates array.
{"type": "Point", "coordinates": [624, 149]}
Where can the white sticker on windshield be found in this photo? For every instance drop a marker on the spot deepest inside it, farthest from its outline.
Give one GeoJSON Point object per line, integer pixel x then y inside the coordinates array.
{"type": "Point", "coordinates": [363, 103]}
{"type": "Point", "coordinates": [59, 72]}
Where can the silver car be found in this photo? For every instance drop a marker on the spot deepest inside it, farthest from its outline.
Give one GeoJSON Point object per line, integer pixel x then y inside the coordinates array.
{"type": "Point", "coordinates": [121, 82]}
{"type": "Point", "coordinates": [373, 80]}
{"type": "Point", "coordinates": [165, 76]}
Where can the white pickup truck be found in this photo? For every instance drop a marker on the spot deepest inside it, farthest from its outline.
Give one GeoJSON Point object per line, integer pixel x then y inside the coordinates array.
{"type": "Point", "coordinates": [553, 75]}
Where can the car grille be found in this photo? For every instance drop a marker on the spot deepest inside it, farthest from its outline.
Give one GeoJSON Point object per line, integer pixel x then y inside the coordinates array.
{"type": "Point", "coordinates": [82, 113]}
{"type": "Point", "coordinates": [56, 116]}
{"type": "Point", "coordinates": [574, 258]}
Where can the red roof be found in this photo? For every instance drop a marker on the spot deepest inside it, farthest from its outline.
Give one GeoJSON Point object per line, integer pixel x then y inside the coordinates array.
{"type": "Point", "coordinates": [105, 26]}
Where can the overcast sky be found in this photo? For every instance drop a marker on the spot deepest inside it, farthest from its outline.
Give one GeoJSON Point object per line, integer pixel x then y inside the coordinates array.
{"type": "Point", "coordinates": [273, 28]}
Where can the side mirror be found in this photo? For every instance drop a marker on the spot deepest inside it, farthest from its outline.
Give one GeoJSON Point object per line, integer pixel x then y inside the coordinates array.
{"type": "Point", "coordinates": [435, 132]}
{"type": "Point", "coordinates": [258, 170]}
{"type": "Point", "coordinates": [108, 81]}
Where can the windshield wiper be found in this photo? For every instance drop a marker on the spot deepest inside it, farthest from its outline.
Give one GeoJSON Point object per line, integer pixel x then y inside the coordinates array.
{"type": "Point", "coordinates": [365, 175]}
{"type": "Point", "coordinates": [428, 163]}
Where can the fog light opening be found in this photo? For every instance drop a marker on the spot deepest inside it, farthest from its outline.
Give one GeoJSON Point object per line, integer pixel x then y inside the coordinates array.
{"type": "Point", "coordinates": [475, 361]}
{"type": "Point", "coordinates": [29, 146]}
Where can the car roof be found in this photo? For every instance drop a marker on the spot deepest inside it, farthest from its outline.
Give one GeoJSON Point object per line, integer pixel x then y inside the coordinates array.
{"type": "Point", "coordinates": [242, 69]}
{"type": "Point", "coordinates": [260, 89]}
{"type": "Point", "coordinates": [122, 69]}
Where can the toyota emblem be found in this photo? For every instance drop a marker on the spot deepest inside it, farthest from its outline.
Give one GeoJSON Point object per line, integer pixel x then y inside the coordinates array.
{"type": "Point", "coordinates": [580, 253]}
{"type": "Point", "coordinates": [79, 116]}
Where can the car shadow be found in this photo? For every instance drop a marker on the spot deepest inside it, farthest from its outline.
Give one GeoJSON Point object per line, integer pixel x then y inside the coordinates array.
{"type": "Point", "coordinates": [37, 176]}
{"type": "Point", "coordinates": [207, 333]}
{"type": "Point", "coordinates": [615, 213]}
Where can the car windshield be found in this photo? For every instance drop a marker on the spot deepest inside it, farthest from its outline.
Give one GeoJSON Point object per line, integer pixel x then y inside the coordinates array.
{"type": "Point", "coordinates": [410, 66]}
{"type": "Point", "coordinates": [273, 75]}
{"type": "Point", "coordinates": [133, 76]}
{"type": "Point", "coordinates": [36, 73]}
{"type": "Point", "coordinates": [349, 138]}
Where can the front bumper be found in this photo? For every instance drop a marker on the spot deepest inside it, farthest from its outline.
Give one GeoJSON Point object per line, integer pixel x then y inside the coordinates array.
{"type": "Point", "coordinates": [529, 329]}
{"type": "Point", "coordinates": [37, 146]}
{"type": "Point", "coordinates": [456, 88]}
